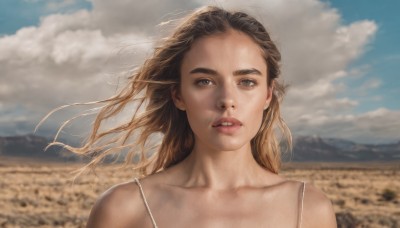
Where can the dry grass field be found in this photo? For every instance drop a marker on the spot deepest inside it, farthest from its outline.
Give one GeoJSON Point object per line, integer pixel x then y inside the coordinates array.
{"type": "Point", "coordinates": [43, 195]}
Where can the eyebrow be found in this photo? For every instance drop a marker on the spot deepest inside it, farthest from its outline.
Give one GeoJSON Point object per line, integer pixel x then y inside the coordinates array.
{"type": "Point", "coordinates": [240, 72]}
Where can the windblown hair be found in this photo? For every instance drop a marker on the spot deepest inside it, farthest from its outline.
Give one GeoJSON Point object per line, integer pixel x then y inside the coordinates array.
{"type": "Point", "coordinates": [151, 86]}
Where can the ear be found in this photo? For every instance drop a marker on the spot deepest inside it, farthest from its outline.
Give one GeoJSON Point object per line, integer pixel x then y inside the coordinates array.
{"type": "Point", "coordinates": [269, 95]}
{"type": "Point", "coordinates": [177, 99]}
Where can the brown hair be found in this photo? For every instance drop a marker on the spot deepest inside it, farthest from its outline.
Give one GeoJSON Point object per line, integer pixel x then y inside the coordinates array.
{"type": "Point", "coordinates": [150, 88]}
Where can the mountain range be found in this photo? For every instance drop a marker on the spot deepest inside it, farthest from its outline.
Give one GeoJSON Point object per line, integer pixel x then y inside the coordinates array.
{"type": "Point", "coordinates": [314, 148]}
{"type": "Point", "coordinates": [305, 149]}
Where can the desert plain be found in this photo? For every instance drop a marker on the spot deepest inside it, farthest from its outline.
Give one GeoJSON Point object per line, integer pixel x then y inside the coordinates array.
{"type": "Point", "coordinates": [44, 194]}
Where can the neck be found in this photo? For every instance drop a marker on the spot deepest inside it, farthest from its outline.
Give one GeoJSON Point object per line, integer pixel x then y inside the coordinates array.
{"type": "Point", "coordinates": [222, 169]}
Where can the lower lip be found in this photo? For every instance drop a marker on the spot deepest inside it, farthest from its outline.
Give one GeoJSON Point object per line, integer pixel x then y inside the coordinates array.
{"type": "Point", "coordinates": [227, 129]}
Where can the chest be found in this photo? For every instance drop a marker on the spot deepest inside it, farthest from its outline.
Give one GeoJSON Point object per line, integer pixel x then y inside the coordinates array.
{"type": "Point", "coordinates": [255, 209]}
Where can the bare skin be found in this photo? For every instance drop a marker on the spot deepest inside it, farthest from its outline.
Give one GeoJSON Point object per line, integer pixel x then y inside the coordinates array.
{"type": "Point", "coordinates": [219, 184]}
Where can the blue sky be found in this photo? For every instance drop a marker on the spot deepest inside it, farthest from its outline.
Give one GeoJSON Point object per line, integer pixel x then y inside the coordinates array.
{"type": "Point", "coordinates": [71, 45]}
{"type": "Point", "coordinates": [383, 54]}
{"type": "Point", "coordinates": [15, 14]}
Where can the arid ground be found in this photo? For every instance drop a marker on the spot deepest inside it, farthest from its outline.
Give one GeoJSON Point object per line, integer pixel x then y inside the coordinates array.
{"type": "Point", "coordinates": [38, 194]}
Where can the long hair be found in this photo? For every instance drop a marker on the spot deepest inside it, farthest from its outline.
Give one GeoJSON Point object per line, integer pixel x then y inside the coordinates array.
{"type": "Point", "coordinates": [151, 85]}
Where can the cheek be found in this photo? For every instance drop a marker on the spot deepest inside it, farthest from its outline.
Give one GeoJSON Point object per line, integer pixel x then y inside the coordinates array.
{"type": "Point", "coordinates": [196, 101]}
{"type": "Point", "coordinates": [252, 111]}
{"type": "Point", "coordinates": [198, 107]}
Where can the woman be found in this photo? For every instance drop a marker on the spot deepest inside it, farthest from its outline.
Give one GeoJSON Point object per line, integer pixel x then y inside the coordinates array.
{"type": "Point", "coordinates": [211, 90]}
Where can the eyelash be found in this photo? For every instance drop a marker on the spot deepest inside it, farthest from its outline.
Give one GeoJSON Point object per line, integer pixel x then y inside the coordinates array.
{"type": "Point", "coordinates": [201, 82]}
{"type": "Point", "coordinates": [206, 82]}
{"type": "Point", "coordinates": [249, 81]}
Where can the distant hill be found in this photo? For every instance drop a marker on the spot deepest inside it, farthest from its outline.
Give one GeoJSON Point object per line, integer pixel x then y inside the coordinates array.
{"type": "Point", "coordinates": [306, 148]}
{"type": "Point", "coordinates": [30, 146]}
{"type": "Point", "coordinates": [312, 148]}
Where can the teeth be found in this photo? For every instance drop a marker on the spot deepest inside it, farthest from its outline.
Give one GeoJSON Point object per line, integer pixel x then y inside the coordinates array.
{"type": "Point", "coordinates": [226, 124]}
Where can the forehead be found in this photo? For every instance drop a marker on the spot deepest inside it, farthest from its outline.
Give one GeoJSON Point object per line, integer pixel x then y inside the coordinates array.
{"type": "Point", "coordinates": [230, 50]}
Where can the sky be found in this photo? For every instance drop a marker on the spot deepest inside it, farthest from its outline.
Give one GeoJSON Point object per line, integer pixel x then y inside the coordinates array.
{"type": "Point", "coordinates": [340, 59]}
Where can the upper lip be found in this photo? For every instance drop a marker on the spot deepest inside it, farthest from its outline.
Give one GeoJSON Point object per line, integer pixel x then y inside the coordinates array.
{"type": "Point", "coordinates": [228, 120]}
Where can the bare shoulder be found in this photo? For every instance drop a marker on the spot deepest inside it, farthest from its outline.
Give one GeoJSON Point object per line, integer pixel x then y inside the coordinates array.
{"type": "Point", "coordinates": [317, 209]}
{"type": "Point", "coordinates": [119, 206]}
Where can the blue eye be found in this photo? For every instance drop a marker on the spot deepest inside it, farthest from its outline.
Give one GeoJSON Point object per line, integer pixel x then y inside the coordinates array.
{"type": "Point", "coordinates": [248, 82]}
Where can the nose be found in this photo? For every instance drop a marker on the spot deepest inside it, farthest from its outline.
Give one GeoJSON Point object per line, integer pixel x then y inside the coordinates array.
{"type": "Point", "coordinates": [226, 104]}
{"type": "Point", "coordinates": [227, 99]}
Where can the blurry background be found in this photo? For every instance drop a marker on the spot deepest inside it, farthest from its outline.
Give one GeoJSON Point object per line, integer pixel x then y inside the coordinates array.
{"type": "Point", "coordinates": [340, 58]}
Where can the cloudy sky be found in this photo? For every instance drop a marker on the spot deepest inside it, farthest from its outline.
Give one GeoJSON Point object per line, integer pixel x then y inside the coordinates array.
{"type": "Point", "coordinates": [339, 57]}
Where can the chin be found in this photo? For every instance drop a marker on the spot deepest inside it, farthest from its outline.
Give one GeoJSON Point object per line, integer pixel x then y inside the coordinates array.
{"type": "Point", "coordinates": [228, 145]}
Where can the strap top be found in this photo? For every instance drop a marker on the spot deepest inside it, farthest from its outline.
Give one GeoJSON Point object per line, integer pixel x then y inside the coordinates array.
{"type": "Point", "coordinates": [299, 216]}
{"type": "Point", "coordinates": [301, 204]}
{"type": "Point", "coordinates": [146, 204]}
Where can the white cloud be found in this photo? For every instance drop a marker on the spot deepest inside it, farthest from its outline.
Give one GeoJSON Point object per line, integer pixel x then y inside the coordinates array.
{"type": "Point", "coordinates": [136, 16]}
{"type": "Point", "coordinates": [378, 126]}
{"type": "Point", "coordinates": [72, 57]}
{"type": "Point", "coordinates": [64, 60]}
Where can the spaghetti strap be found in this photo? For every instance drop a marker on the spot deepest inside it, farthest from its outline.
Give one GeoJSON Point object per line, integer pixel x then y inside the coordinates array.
{"type": "Point", "coordinates": [299, 216]}
{"type": "Point", "coordinates": [301, 204]}
{"type": "Point", "coordinates": [145, 202]}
